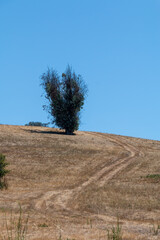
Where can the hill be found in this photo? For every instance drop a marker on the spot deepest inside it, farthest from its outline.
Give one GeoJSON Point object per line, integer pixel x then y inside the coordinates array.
{"type": "Point", "coordinates": [76, 186]}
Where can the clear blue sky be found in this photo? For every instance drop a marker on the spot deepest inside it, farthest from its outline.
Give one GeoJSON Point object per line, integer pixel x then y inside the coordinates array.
{"type": "Point", "coordinates": [113, 44]}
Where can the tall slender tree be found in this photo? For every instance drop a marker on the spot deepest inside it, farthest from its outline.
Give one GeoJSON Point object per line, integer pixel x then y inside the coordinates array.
{"type": "Point", "coordinates": [66, 95]}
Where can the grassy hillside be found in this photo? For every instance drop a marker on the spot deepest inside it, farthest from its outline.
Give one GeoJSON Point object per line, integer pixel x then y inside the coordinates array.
{"type": "Point", "coordinates": [76, 186]}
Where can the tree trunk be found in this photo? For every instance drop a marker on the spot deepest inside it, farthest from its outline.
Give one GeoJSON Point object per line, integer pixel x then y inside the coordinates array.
{"type": "Point", "coordinates": [68, 132]}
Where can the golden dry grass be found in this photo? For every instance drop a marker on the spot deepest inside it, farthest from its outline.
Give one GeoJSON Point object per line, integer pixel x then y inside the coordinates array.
{"type": "Point", "coordinates": [77, 185]}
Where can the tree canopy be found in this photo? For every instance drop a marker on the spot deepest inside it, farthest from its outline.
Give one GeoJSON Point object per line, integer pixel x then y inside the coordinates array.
{"type": "Point", "coordinates": [66, 95]}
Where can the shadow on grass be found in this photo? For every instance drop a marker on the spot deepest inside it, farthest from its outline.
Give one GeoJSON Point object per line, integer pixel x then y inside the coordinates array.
{"type": "Point", "coordinates": [48, 132]}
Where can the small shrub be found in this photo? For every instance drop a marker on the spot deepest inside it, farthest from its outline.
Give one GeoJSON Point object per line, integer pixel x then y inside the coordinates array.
{"type": "Point", "coordinates": [16, 230]}
{"type": "Point", "coordinates": [153, 176]}
{"type": "Point", "coordinates": [89, 222]}
{"type": "Point", "coordinates": [43, 225]}
{"type": "Point", "coordinates": [37, 124]}
{"type": "Point", "coordinates": [155, 230]}
{"type": "Point", "coordinates": [3, 172]}
{"type": "Point", "coordinates": [115, 232]}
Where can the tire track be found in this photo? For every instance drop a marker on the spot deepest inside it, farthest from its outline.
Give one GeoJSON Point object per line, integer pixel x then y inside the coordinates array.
{"type": "Point", "coordinates": [61, 198]}
{"type": "Point", "coordinates": [120, 163]}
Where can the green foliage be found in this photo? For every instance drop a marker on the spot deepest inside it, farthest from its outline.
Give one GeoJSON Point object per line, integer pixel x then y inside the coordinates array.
{"type": "Point", "coordinates": [153, 176]}
{"type": "Point", "coordinates": [43, 225]}
{"type": "Point", "coordinates": [89, 222]}
{"type": "Point", "coordinates": [155, 229]}
{"type": "Point", "coordinates": [3, 171]}
{"type": "Point", "coordinates": [66, 97]}
{"type": "Point", "coordinates": [115, 233]}
{"type": "Point", "coordinates": [16, 229]}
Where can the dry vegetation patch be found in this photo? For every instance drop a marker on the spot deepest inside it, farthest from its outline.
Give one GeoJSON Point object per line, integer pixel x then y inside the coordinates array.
{"type": "Point", "coordinates": [76, 186]}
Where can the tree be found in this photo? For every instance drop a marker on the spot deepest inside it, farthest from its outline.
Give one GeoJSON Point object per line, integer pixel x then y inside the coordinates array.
{"type": "Point", "coordinates": [66, 95]}
{"type": "Point", "coordinates": [3, 171]}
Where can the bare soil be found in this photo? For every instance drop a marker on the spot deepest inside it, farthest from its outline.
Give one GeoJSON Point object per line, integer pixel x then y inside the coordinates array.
{"type": "Point", "coordinates": [77, 186]}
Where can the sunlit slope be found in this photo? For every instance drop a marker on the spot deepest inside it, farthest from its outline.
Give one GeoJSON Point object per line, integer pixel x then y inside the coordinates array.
{"type": "Point", "coordinates": [69, 179]}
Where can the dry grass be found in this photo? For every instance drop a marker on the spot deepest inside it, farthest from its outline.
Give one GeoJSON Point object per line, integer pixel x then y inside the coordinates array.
{"type": "Point", "coordinates": [77, 185]}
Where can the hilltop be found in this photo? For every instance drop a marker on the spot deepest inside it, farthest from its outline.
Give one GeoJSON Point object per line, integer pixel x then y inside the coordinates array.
{"type": "Point", "coordinates": [77, 185]}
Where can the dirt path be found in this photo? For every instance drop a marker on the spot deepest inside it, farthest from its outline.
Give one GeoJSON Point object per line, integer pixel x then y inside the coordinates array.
{"type": "Point", "coordinates": [61, 198]}
{"type": "Point", "coordinates": [120, 163]}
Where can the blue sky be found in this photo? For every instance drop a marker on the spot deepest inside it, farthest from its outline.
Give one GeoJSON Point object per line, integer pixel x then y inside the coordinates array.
{"type": "Point", "coordinates": [113, 44]}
